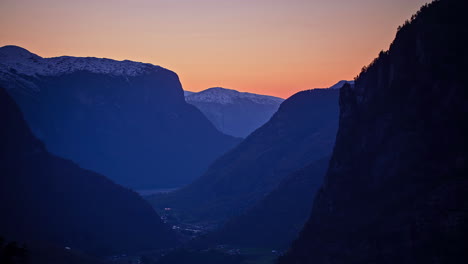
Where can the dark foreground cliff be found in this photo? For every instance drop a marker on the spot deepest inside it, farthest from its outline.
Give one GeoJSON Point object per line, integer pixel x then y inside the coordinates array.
{"type": "Point", "coordinates": [46, 200]}
{"type": "Point", "coordinates": [397, 190]}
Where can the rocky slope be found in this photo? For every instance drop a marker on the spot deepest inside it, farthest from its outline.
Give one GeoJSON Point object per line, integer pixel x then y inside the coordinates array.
{"type": "Point", "coordinates": [301, 131]}
{"type": "Point", "coordinates": [275, 221]}
{"type": "Point", "coordinates": [124, 119]}
{"type": "Point", "coordinates": [44, 198]}
{"type": "Point", "coordinates": [396, 189]}
{"type": "Point", "coordinates": [232, 112]}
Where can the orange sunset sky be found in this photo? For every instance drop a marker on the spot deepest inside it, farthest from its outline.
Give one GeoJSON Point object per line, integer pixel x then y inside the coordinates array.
{"type": "Point", "coordinates": [275, 47]}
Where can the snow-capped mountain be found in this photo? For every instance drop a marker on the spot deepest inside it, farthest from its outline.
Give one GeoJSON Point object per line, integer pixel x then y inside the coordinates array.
{"type": "Point", "coordinates": [232, 112]}
{"type": "Point", "coordinates": [27, 63]}
{"type": "Point", "coordinates": [228, 96]}
{"type": "Point", "coordinates": [340, 84]}
{"type": "Point", "coordinates": [20, 64]}
{"type": "Point", "coordinates": [126, 120]}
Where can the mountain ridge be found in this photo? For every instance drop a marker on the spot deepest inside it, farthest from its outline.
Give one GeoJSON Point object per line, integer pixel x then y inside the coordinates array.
{"type": "Point", "coordinates": [116, 120]}
{"type": "Point", "coordinates": [232, 112]}
{"type": "Point", "coordinates": [340, 84]}
{"type": "Point", "coordinates": [226, 96]}
{"type": "Point", "coordinates": [27, 63]}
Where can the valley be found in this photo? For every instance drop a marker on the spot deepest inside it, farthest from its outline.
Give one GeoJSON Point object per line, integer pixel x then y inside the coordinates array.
{"type": "Point", "coordinates": [106, 161]}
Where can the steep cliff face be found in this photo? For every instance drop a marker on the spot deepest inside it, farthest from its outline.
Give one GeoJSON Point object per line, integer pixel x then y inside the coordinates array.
{"type": "Point", "coordinates": [48, 199]}
{"type": "Point", "coordinates": [396, 188]}
{"type": "Point", "coordinates": [127, 120]}
{"type": "Point", "coordinates": [303, 130]}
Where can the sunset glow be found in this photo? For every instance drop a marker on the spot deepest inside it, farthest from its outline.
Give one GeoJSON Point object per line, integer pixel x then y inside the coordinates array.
{"type": "Point", "coordinates": [275, 47]}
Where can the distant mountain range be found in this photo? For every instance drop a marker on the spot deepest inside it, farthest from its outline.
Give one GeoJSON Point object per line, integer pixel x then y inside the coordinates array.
{"type": "Point", "coordinates": [232, 112]}
{"type": "Point", "coordinates": [46, 200]}
{"type": "Point", "coordinates": [236, 113]}
{"type": "Point", "coordinates": [124, 119]}
{"type": "Point", "coordinates": [300, 132]}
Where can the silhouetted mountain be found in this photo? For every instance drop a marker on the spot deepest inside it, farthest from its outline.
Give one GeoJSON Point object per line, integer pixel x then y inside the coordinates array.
{"type": "Point", "coordinates": [303, 130]}
{"type": "Point", "coordinates": [46, 198]}
{"type": "Point", "coordinates": [340, 84]}
{"type": "Point", "coordinates": [232, 112]}
{"type": "Point", "coordinates": [276, 220]}
{"type": "Point", "coordinates": [396, 189]}
{"type": "Point", "coordinates": [124, 119]}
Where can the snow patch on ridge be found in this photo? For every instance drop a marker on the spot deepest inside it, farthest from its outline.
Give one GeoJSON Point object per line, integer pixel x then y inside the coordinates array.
{"type": "Point", "coordinates": [18, 60]}
{"type": "Point", "coordinates": [229, 96]}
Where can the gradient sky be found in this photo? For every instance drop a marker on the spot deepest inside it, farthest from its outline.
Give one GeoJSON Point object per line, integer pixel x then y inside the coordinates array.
{"type": "Point", "coordinates": [275, 47]}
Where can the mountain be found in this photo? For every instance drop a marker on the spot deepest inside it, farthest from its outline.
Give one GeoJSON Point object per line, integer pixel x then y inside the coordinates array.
{"type": "Point", "coordinates": [396, 188]}
{"type": "Point", "coordinates": [44, 198]}
{"type": "Point", "coordinates": [340, 84]}
{"type": "Point", "coordinates": [275, 221]}
{"type": "Point", "coordinates": [232, 112]}
{"type": "Point", "coordinates": [187, 93]}
{"type": "Point", "coordinates": [301, 131]}
{"type": "Point", "coordinates": [124, 119]}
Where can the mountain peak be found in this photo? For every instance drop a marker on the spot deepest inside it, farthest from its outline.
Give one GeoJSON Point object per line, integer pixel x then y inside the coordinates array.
{"type": "Point", "coordinates": [13, 48]}
{"type": "Point", "coordinates": [12, 52]}
{"type": "Point", "coordinates": [221, 89]}
{"type": "Point", "coordinates": [232, 112]}
{"type": "Point", "coordinates": [340, 84]}
{"type": "Point", "coordinates": [229, 96]}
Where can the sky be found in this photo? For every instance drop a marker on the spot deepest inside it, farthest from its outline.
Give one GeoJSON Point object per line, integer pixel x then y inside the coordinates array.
{"type": "Point", "coordinates": [274, 47]}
